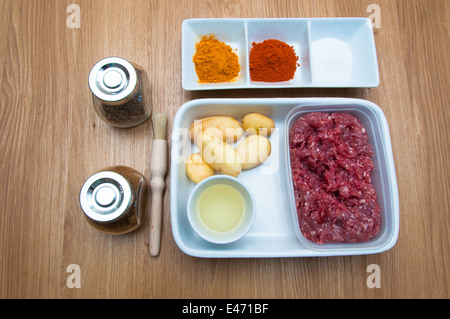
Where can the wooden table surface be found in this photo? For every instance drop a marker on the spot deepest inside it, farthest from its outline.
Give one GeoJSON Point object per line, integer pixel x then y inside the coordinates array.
{"type": "Point", "coordinates": [51, 140]}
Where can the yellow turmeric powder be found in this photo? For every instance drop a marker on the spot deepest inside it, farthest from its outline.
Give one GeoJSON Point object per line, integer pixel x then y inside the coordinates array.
{"type": "Point", "coordinates": [215, 61]}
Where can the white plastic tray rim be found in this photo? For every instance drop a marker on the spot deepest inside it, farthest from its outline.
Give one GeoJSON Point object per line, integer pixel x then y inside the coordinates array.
{"type": "Point", "coordinates": [278, 246]}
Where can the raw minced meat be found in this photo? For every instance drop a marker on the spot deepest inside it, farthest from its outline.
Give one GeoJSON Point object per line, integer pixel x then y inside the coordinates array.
{"type": "Point", "coordinates": [331, 165]}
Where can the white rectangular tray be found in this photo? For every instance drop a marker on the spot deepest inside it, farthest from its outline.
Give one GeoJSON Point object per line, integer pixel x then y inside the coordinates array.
{"type": "Point", "coordinates": [274, 231]}
{"type": "Point", "coordinates": [333, 52]}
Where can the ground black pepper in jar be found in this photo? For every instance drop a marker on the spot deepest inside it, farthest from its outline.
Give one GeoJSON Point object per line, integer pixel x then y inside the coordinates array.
{"type": "Point", "coordinates": [120, 92]}
{"type": "Point", "coordinates": [114, 200]}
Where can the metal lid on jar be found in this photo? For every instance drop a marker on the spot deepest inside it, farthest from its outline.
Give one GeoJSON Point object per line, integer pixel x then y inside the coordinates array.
{"type": "Point", "coordinates": [105, 196]}
{"type": "Point", "coordinates": [112, 79]}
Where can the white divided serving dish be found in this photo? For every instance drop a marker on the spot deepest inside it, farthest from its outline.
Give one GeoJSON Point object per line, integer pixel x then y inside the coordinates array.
{"type": "Point", "coordinates": [275, 230]}
{"type": "Point", "coordinates": [333, 52]}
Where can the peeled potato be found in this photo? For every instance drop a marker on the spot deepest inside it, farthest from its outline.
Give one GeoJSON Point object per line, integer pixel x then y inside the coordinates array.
{"type": "Point", "coordinates": [254, 150]}
{"type": "Point", "coordinates": [226, 128]}
{"type": "Point", "coordinates": [255, 123]}
{"type": "Point", "coordinates": [220, 155]}
{"type": "Point", "coordinates": [197, 169]}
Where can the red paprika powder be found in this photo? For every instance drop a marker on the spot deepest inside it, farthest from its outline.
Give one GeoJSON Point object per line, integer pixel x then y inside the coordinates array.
{"type": "Point", "coordinates": [272, 61]}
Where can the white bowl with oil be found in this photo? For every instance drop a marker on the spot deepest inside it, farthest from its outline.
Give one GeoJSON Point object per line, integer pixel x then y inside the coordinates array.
{"type": "Point", "coordinates": [221, 209]}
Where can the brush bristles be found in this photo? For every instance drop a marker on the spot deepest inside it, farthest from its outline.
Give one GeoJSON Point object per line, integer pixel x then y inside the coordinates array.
{"type": "Point", "coordinates": [159, 126]}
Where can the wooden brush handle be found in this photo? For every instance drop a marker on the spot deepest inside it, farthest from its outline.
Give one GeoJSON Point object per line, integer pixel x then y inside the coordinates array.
{"type": "Point", "coordinates": [158, 169]}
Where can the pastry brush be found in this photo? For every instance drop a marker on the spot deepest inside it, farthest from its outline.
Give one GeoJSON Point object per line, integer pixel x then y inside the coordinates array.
{"type": "Point", "coordinates": [158, 169]}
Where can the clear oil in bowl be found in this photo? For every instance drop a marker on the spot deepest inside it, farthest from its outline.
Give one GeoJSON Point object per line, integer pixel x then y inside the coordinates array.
{"type": "Point", "coordinates": [221, 208]}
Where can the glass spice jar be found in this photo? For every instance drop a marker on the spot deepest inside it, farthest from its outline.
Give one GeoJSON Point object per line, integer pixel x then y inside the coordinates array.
{"type": "Point", "coordinates": [114, 200]}
{"type": "Point", "coordinates": [120, 92]}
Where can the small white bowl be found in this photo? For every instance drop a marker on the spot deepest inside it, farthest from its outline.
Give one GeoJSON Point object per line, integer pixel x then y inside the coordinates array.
{"type": "Point", "coordinates": [221, 237]}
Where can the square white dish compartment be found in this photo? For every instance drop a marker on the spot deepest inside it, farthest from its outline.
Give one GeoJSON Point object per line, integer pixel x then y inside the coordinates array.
{"type": "Point", "coordinates": [333, 52]}
{"type": "Point", "coordinates": [275, 232]}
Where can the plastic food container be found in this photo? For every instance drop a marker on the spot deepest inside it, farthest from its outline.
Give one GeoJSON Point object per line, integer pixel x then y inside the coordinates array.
{"type": "Point", "coordinates": [383, 176]}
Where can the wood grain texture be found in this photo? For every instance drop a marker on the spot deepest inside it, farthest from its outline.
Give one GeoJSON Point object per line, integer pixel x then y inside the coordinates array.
{"type": "Point", "coordinates": [51, 140]}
